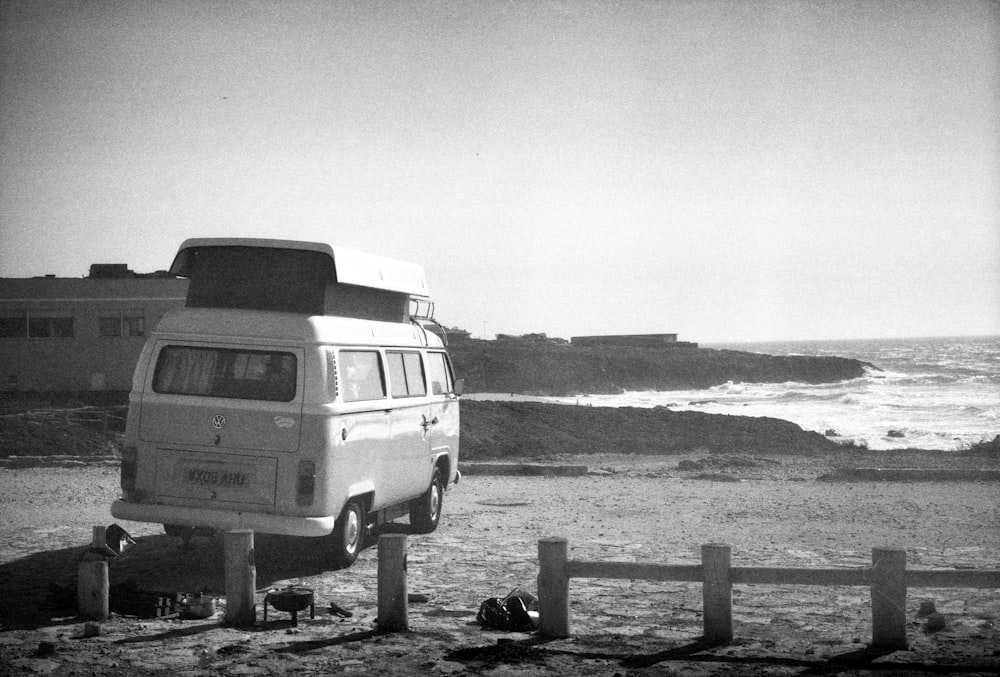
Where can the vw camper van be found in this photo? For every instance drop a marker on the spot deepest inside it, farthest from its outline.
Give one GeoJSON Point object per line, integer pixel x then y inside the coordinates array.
{"type": "Point", "coordinates": [301, 390]}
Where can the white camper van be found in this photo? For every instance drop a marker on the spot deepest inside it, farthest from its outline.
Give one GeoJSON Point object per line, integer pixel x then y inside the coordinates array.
{"type": "Point", "coordinates": [299, 392]}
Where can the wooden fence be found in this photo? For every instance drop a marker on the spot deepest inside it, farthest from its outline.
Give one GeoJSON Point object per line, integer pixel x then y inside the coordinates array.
{"type": "Point", "coordinates": [887, 577]}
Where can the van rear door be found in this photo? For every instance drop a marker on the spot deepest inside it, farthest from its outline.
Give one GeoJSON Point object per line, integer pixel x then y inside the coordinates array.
{"type": "Point", "coordinates": [224, 397]}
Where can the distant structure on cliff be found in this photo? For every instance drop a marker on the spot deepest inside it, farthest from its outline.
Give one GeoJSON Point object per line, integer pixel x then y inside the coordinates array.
{"type": "Point", "coordinates": [458, 335]}
{"type": "Point", "coordinates": [534, 338]}
{"type": "Point", "coordinates": [633, 340]}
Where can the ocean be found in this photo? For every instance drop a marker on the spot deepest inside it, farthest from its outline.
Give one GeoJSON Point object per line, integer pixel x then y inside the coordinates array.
{"type": "Point", "coordinates": [923, 393]}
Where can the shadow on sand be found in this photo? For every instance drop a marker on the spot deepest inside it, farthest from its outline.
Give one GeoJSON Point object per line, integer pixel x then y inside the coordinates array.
{"type": "Point", "coordinates": [154, 563]}
{"type": "Point", "coordinates": [535, 651]}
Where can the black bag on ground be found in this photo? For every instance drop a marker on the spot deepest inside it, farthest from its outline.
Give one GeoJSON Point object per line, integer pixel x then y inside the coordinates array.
{"type": "Point", "coordinates": [508, 614]}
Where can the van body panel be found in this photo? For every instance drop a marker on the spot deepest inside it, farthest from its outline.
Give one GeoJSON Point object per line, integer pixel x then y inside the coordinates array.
{"type": "Point", "coordinates": [222, 519]}
{"type": "Point", "coordinates": [364, 440]}
{"type": "Point", "coordinates": [444, 434]}
{"type": "Point", "coordinates": [444, 411]}
{"type": "Point", "coordinates": [222, 422]}
{"type": "Point", "coordinates": [254, 327]}
{"type": "Point", "coordinates": [403, 465]}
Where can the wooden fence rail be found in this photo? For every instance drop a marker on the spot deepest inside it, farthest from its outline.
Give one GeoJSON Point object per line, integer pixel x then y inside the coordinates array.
{"type": "Point", "coordinates": [887, 577]}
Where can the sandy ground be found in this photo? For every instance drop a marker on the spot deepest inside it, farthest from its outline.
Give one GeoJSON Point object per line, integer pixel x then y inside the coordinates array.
{"type": "Point", "coordinates": [638, 509]}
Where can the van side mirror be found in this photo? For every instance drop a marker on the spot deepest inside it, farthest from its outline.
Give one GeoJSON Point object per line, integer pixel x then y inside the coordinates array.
{"type": "Point", "coordinates": [459, 386]}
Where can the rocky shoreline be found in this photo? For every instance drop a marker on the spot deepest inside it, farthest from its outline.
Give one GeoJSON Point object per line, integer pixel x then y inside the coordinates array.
{"type": "Point", "coordinates": [545, 368]}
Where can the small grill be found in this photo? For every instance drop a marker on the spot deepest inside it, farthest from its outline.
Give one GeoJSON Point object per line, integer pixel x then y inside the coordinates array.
{"type": "Point", "coordinates": [292, 599]}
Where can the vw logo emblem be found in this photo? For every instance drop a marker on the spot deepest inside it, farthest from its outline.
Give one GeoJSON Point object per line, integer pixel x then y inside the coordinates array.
{"type": "Point", "coordinates": [218, 421]}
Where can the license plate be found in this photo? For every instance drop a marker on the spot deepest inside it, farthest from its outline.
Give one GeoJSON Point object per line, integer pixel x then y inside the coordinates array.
{"type": "Point", "coordinates": [216, 477]}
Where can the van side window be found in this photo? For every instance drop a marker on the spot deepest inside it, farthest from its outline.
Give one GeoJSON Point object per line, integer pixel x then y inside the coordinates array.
{"type": "Point", "coordinates": [224, 372]}
{"type": "Point", "coordinates": [441, 382]}
{"type": "Point", "coordinates": [361, 375]}
{"type": "Point", "coordinates": [406, 374]}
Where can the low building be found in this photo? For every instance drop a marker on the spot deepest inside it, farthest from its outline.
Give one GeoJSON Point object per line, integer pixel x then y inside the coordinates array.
{"type": "Point", "coordinates": [457, 334]}
{"type": "Point", "coordinates": [533, 339]}
{"type": "Point", "coordinates": [633, 340]}
{"type": "Point", "coordinates": [76, 334]}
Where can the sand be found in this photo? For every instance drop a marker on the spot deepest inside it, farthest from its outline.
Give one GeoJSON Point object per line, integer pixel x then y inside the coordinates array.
{"type": "Point", "coordinates": [772, 511]}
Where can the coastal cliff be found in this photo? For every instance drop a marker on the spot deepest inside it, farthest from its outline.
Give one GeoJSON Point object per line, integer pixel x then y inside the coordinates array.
{"type": "Point", "coordinates": [553, 369]}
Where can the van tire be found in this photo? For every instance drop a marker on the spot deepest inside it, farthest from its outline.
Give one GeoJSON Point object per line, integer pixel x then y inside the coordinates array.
{"type": "Point", "coordinates": [348, 537]}
{"type": "Point", "coordinates": [425, 512]}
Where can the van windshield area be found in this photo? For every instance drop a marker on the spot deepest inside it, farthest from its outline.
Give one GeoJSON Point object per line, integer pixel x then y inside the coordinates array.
{"type": "Point", "coordinates": [224, 372]}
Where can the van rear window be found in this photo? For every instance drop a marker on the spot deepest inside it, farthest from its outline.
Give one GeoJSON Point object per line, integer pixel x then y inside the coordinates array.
{"type": "Point", "coordinates": [225, 372]}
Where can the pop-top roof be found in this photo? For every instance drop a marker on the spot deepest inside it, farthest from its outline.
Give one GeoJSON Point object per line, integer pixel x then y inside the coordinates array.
{"type": "Point", "coordinates": [350, 266]}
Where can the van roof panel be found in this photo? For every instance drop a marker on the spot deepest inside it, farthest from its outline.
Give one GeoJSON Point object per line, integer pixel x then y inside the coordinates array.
{"type": "Point", "coordinates": [351, 266]}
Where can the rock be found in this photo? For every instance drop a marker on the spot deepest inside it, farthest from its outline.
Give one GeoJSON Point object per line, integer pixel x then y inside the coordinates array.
{"type": "Point", "coordinates": [926, 608]}
{"type": "Point", "coordinates": [716, 477]}
{"type": "Point", "coordinates": [895, 433]}
{"type": "Point", "coordinates": [545, 429]}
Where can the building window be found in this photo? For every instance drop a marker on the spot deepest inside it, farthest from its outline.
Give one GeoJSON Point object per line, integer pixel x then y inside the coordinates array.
{"type": "Point", "coordinates": [134, 326]}
{"type": "Point", "coordinates": [14, 326]}
{"type": "Point", "coordinates": [109, 326]}
{"type": "Point", "coordinates": [50, 327]}
{"type": "Point", "coordinates": [27, 325]}
{"type": "Point", "coordinates": [122, 325]}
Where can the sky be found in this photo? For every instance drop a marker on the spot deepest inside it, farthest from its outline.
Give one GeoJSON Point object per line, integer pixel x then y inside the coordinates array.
{"type": "Point", "coordinates": [726, 171]}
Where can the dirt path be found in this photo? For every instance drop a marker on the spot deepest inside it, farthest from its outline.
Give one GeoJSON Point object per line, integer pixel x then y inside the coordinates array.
{"type": "Point", "coordinates": [639, 510]}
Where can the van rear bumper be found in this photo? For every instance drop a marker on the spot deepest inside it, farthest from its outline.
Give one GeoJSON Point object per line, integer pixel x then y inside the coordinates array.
{"type": "Point", "coordinates": [225, 520]}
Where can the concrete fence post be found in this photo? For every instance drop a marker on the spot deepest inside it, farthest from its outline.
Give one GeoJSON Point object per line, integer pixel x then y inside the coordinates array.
{"type": "Point", "coordinates": [93, 583]}
{"type": "Point", "coordinates": [241, 578]}
{"type": "Point", "coordinates": [889, 598]}
{"type": "Point", "coordinates": [717, 593]}
{"type": "Point", "coordinates": [553, 588]}
{"type": "Point", "coordinates": [393, 613]}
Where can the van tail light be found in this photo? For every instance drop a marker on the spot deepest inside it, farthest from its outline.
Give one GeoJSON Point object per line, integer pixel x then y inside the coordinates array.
{"type": "Point", "coordinates": [305, 490]}
{"type": "Point", "coordinates": [130, 468]}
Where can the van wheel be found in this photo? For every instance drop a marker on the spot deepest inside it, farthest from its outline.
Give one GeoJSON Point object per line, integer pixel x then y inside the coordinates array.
{"type": "Point", "coordinates": [425, 512]}
{"type": "Point", "coordinates": [348, 535]}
